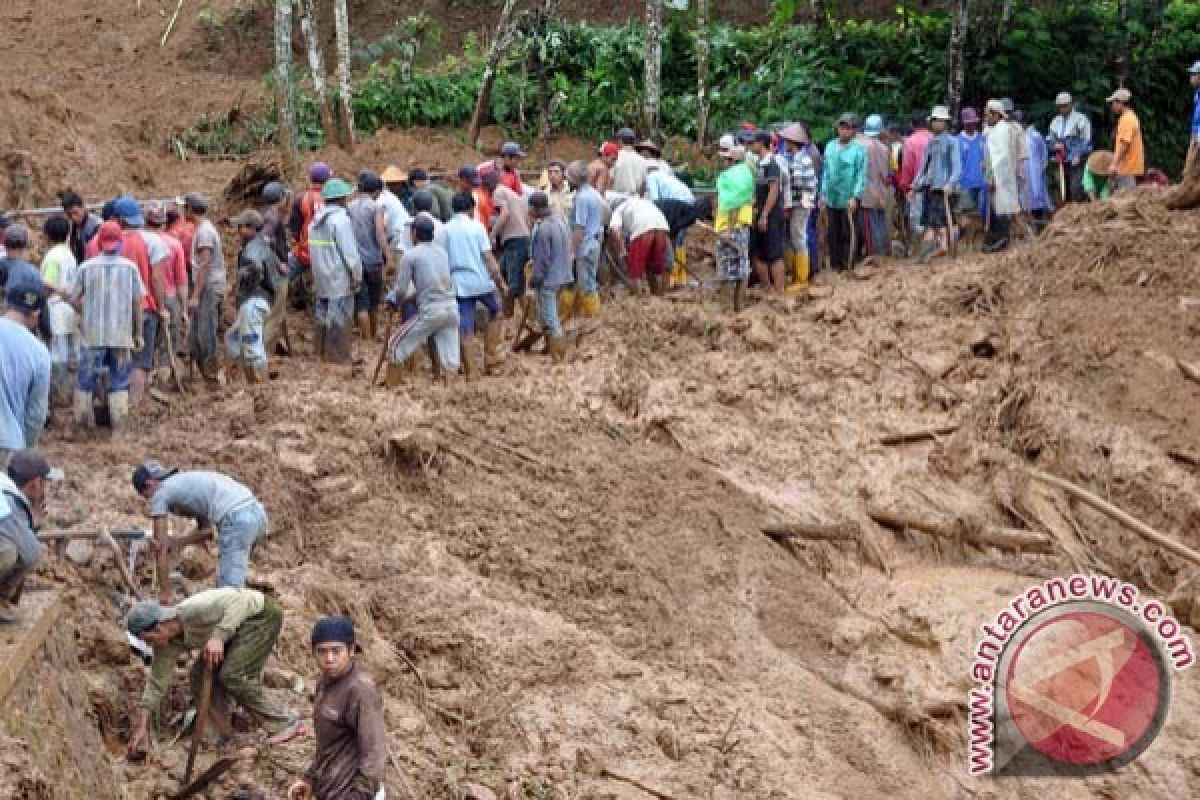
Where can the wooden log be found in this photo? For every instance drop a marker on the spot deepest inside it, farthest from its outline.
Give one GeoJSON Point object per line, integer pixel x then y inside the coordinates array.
{"type": "Point", "coordinates": [814, 531]}
{"type": "Point", "coordinates": [918, 435]}
{"type": "Point", "coordinates": [987, 536]}
{"type": "Point", "coordinates": [1111, 511]}
{"type": "Point", "coordinates": [1190, 371]}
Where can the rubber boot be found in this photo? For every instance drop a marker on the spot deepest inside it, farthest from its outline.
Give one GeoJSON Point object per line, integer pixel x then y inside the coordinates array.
{"type": "Point", "coordinates": [799, 264]}
{"type": "Point", "coordinates": [470, 364]}
{"type": "Point", "coordinates": [589, 305]}
{"type": "Point", "coordinates": [83, 410]}
{"type": "Point", "coordinates": [556, 346]}
{"type": "Point", "coordinates": [491, 345]}
{"type": "Point", "coordinates": [679, 273]}
{"type": "Point", "coordinates": [118, 410]}
{"type": "Point", "coordinates": [395, 374]}
{"type": "Point", "coordinates": [566, 304]}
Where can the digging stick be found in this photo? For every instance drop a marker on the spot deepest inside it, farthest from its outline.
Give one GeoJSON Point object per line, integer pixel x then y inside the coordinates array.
{"type": "Point", "coordinates": [990, 536]}
{"type": "Point", "coordinates": [951, 240]}
{"type": "Point", "coordinates": [1062, 180]}
{"type": "Point", "coordinates": [119, 555]}
{"type": "Point", "coordinates": [853, 238]}
{"type": "Point", "coordinates": [201, 721]}
{"type": "Point", "coordinates": [391, 329]}
{"type": "Point", "coordinates": [173, 360]}
{"type": "Point", "coordinates": [905, 437]}
{"type": "Point", "coordinates": [1111, 511]}
{"type": "Point", "coordinates": [813, 531]}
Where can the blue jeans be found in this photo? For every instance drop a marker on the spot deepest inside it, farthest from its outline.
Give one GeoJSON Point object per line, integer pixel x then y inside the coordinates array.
{"type": "Point", "coordinates": [237, 533]}
{"type": "Point", "coordinates": [513, 256]}
{"type": "Point", "coordinates": [117, 360]}
{"type": "Point", "coordinates": [548, 311]}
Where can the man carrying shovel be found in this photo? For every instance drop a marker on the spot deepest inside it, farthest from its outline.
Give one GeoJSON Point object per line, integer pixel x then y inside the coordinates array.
{"type": "Point", "coordinates": [235, 630]}
{"type": "Point", "coordinates": [215, 501]}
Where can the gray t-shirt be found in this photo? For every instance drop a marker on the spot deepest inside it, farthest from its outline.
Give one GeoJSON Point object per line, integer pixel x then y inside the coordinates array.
{"type": "Point", "coordinates": [588, 215]}
{"type": "Point", "coordinates": [362, 210]}
{"type": "Point", "coordinates": [200, 495]}
{"type": "Point", "coordinates": [427, 266]}
{"type": "Point", "coordinates": [207, 236]}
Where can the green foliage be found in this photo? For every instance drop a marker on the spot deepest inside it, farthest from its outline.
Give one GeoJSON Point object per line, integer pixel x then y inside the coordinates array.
{"type": "Point", "coordinates": [784, 72]}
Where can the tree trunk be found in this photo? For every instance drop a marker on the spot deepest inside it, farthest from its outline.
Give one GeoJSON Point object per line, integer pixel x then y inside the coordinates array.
{"type": "Point", "coordinates": [702, 53]}
{"type": "Point", "coordinates": [958, 56]}
{"type": "Point", "coordinates": [283, 85]}
{"type": "Point", "coordinates": [653, 65]}
{"type": "Point", "coordinates": [501, 41]}
{"type": "Point", "coordinates": [316, 65]}
{"type": "Point", "coordinates": [341, 26]}
{"type": "Point", "coordinates": [1122, 42]}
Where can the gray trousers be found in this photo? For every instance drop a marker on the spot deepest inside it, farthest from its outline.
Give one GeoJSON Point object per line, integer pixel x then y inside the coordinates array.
{"type": "Point", "coordinates": [12, 572]}
{"type": "Point", "coordinates": [440, 324]}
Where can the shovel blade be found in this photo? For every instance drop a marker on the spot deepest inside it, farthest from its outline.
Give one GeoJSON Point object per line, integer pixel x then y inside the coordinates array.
{"type": "Point", "coordinates": [205, 779]}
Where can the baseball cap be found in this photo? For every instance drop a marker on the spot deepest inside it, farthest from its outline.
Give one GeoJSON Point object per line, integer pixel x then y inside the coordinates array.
{"type": "Point", "coordinates": [995, 106]}
{"type": "Point", "coordinates": [1121, 95]}
{"type": "Point", "coordinates": [794, 133]}
{"type": "Point", "coordinates": [25, 465]}
{"type": "Point", "coordinates": [273, 192]}
{"type": "Point", "coordinates": [1063, 99]}
{"type": "Point", "coordinates": [333, 629]}
{"type": "Point", "coordinates": [150, 471]}
{"type": "Point", "coordinates": [320, 172]}
{"type": "Point", "coordinates": [147, 615]}
{"type": "Point", "coordinates": [969, 115]}
{"type": "Point", "coordinates": [248, 218]}
{"type": "Point", "coordinates": [197, 202]}
{"type": "Point", "coordinates": [422, 200]}
{"type": "Point", "coordinates": [940, 112]}
{"type": "Point", "coordinates": [469, 174]}
{"type": "Point", "coordinates": [336, 189]}
{"type": "Point", "coordinates": [726, 143]}
{"type": "Point", "coordinates": [849, 118]}
{"type": "Point", "coordinates": [109, 237]}
{"type": "Point", "coordinates": [369, 182]}
{"type": "Point", "coordinates": [16, 235]}
{"type": "Point", "coordinates": [128, 211]}
{"type": "Point", "coordinates": [511, 149]}
{"type": "Point", "coordinates": [746, 136]}
{"type": "Point", "coordinates": [874, 125]}
{"type": "Point", "coordinates": [626, 136]}
{"type": "Point", "coordinates": [609, 149]}
{"type": "Point", "coordinates": [26, 295]}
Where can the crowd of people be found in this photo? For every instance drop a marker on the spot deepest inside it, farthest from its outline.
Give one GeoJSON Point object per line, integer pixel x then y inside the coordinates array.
{"type": "Point", "coordinates": [116, 293]}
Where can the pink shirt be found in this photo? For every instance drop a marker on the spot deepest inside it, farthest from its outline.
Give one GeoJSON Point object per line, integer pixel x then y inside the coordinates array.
{"type": "Point", "coordinates": [911, 158]}
{"type": "Point", "coordinates": [175, 274]}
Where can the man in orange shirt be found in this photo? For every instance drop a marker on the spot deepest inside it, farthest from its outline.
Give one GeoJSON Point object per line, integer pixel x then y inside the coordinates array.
{"type": "Point", "coordinates": [471, 183]}
{"type": "Point", "coordinates": [300, 263]}
{"type": "Point", "coordinates": [1130, 161]}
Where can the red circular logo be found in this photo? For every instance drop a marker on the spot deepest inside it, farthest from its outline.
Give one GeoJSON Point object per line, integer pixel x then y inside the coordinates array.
{"type": "Point", "coordinates": [1085, 687]}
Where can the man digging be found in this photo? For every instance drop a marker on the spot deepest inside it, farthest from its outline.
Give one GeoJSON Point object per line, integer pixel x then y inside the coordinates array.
{"type": "Point", "coordinates": [216, 502]}
{"type": "Point", "coordinates": [352, 749]}
{"type": "Point", "coordinates": [235, 630]}
{"type": "Point", "coordinates": [22, 500]}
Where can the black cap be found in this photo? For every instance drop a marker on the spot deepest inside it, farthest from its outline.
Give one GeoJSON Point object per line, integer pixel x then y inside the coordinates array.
{"type": "Point", "coordinates": [26, 465]}
{"type": "Point", "coordinates": [418, 174]}
{"type": "Point", "coordinates": [626, 136]}
{"type": "Point", "coordinates": [333, 629]}
{"type": "Point", "coordinates": [150, 471]}
{"type": "Point", "coordinates": [422, 200]}
{"type": "Point", "coordinates": [26, 295]}
{"type": "Point", "coordinates": [539, 201]}
{"type": "Point", "coordinates": [273, 192]}
{"type": "Point", "coordinates": [369, 182]}
{"type": "Point", "coordinates": [424, 222]}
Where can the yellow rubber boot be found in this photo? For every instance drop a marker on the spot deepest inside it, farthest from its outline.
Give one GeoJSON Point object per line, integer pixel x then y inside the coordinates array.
{"type": "Point", "coordinates": [679, 272]}
{"type": "Point", "coordinates": [799, 263]}
{"type": "Point", "coordinates": [590, 305]}
{"type": "Point", "coordinates": [566, 304]}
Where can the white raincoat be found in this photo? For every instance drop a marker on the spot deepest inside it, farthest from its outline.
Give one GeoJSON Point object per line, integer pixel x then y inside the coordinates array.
{"type": "Point", "coordinates": [1007, 150]}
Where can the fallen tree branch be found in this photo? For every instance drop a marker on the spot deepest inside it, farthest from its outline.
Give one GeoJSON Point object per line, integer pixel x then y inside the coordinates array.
{"type": "Point", "coordinates": [616, 776]}
{"type": "Point", "coordinates": [1111, 511]}
{"type": "Point", "coordinates": [815, 531]}
{"type": "Point", "coordinates": [119, 557]}
{"type": "Point", "coordinates": [984, 536]}
{"type": "Point", "coordinates": [918, 435]}
{"type": "Point", "coordinates": [1190, 371]}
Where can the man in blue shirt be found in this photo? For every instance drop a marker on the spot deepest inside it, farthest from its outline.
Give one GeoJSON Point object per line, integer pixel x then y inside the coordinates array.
{"type": "Point", "coordinates": [971, 151]}
{"type": "Point", "coordinates": [477, 277]}
{"type": "Point", "coordinates": [587, 233]}
{"type": "Point", "coordinates": [24, 370]}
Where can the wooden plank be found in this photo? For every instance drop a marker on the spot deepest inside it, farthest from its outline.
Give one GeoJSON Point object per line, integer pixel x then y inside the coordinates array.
{"type": "Point", "coordinates": [28, 636]}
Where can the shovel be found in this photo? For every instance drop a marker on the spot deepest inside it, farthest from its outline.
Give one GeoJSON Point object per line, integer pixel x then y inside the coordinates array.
{"type": "Point", "coordinates": [201, 723]}
{"type": "Point", "coordinates": [951, 239]}
{"type": "Point", "coordinates": [387, 340]}
{"type": "Point", "coordinates": [173, 360]}
{"type": "Point", "coordinates": [205, 779]}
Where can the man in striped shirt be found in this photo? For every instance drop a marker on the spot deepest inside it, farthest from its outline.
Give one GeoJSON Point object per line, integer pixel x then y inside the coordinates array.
{"type": "Point", "coordinates": [804, 199]}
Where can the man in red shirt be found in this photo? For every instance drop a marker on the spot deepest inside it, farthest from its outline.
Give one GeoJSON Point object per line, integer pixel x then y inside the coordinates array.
{"type": "Point", "coordinates": [175, 276]}
{"type": "Point", "coordinates": [508, 166]}
{"type": "Point", "coordinates": [183, 232]}
{"type": "Point", "coordinates": [912, 156]}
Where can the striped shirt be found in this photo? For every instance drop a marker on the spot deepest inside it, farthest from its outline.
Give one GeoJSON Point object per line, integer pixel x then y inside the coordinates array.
{"type": "Point", "coordinates": [804, 177]}
{"type": "Point", "coordinates": [108, 285]}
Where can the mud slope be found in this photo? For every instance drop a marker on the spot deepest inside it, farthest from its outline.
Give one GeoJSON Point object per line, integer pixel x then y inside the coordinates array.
{"type": "Point", "coordinates": [559, 571]}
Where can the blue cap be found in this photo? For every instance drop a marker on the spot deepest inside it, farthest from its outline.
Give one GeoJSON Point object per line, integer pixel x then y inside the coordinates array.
{"type": "Point", "coordinates": [873, 126]}
{"type": "Point", "coordinates": [128, 211]}
{"type": "Point", "coordinates": [27, 294]}
{"type": "Point", "coordinates": [469, 174]}
{"type": "Point", "coordinates": [511, 149]}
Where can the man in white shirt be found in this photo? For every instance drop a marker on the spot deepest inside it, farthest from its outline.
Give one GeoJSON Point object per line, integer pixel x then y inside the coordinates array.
{"type": "Point", "coordinates": [645, 227]}
{"type": "Point", "coordinates": [629, 171]}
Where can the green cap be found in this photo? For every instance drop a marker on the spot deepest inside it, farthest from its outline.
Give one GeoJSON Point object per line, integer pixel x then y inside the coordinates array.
{"type": "Point", "coordinates": [336, 189]}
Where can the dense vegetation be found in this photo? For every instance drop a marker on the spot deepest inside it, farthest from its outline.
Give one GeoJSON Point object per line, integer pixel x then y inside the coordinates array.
{"type": "Point", "coordinates": [784, 71]}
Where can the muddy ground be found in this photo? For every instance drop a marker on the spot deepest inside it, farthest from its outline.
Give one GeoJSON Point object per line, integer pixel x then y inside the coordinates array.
{"type": "Point", "coordinates": [570, 592]}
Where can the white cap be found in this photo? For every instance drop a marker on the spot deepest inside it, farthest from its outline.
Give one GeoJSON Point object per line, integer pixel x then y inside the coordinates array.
{"type": "Point", "coordinates": [1063, 99]}
{"type": "Point", "coordinates": [1122, 95]}
{"type": "Point", "coordinates": [997, 106]}
{"type": "Point", "coordinates": [940, 112]}
{"type": "Point", "coordinates": [727, 142]}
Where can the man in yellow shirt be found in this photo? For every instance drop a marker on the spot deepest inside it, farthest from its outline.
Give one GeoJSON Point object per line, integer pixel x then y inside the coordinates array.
{"type": "Point", "coordinates": [1130, 161]}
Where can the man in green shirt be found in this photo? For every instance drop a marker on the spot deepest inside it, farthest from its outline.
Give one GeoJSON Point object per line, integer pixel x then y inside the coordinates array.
{"type": "Point", "coordinates": [1095, 175]}
{"type": "Point", "coordinates": [843, 181]}
{"type": "Point", "coordinates": [235, 629]}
